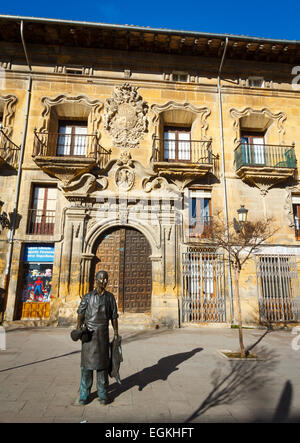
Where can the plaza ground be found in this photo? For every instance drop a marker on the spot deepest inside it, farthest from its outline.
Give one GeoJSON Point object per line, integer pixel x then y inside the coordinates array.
{"type": "Point", "coordinates": [168, 376]}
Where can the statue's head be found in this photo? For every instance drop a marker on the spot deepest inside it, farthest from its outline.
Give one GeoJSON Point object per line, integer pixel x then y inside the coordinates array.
{"type": "Point", "coordinates": [101, 280]}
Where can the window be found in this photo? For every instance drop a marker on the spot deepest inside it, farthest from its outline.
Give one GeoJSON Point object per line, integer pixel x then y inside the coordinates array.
{"type": "Point", "coordinates": [177, 144]}
{"type": "Point", "coordinates": [277, 284]}
{"type": "Point", "coordinates": [253, 148]}
{"type": "Point", "coordinates": [180, 77]}
{"type": "Point", "coordinates": [72, 136]}
{"type": "Point", "coordinates": [41, 215]}
{"type": "Point", "coordinates": [256, 82]}
{"type": "Point", "coordinates": [199, 213]}
{"type": "Point", "coordinates": [296, 212]}
{"type": "Point", "coordinates": [74, 71]}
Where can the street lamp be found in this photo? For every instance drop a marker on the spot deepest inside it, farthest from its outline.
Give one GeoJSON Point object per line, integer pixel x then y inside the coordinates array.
{"type": "Point", "coordinates": [242, 214]}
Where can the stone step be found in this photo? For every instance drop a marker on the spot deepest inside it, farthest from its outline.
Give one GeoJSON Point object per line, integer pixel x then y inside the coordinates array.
{"type": "Point", "coordinates": [133, 320]}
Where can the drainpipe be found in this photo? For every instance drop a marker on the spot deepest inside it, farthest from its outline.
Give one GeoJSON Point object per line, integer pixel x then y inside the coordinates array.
{"type": "Point", "coordinates": [224, 178]}
{"type": "Point", "coordinates": [17, 194]}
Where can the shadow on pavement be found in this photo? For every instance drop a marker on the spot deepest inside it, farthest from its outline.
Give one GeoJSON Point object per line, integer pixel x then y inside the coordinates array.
{"type": "Point", "coordinates": [244, 376]}
{"type": "Point", "coordinates": [40, 361]}
{"type": "Point", "coordinates": [282, 410]}
{"type": "Point", "coordinates": [160, 371]}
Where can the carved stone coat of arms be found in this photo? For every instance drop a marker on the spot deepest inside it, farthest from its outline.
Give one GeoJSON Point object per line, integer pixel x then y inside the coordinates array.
{"type": "Point", "coordinates": [125, 116]}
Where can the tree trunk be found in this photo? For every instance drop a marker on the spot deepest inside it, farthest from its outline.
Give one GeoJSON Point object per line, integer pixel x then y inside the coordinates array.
{"type": "Point", "coordinates": [237, 296]}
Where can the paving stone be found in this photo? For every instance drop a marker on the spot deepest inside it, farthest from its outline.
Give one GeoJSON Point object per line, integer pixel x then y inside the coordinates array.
{"type": "Point", "coordinates": [174, 386]}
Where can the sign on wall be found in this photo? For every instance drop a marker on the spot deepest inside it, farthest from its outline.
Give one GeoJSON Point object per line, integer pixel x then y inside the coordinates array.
{"type": "Point", "coordinates": [38, 253]}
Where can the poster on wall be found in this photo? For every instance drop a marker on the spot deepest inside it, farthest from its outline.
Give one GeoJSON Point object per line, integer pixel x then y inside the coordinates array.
{"type": "Point", "coordinates": [37, 273]}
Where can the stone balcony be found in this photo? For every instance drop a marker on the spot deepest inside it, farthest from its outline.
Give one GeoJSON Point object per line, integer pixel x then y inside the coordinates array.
{"type": "Point", "coordinates": [264, 165]}
{"type": "Point", "coordinates": [66, 157]}
{"type": "Point", "coordinates": [183, 158]}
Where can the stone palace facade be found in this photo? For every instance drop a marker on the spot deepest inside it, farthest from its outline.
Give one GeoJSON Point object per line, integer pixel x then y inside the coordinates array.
{"type": "Point", "coordinates": [119, 144]}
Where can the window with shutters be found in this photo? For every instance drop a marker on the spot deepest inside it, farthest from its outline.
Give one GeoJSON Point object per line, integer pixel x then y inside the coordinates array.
{"type": "Point", "coordinates": [254, 147]}
{"type": "Point", "coordinates": [199, 213]}
{"type": "Point", "coordinates": [72, 137]}
{"type": "Point", "coordinates": [41, 216]}
{"type": "Point", "coordinates": [177, 144]}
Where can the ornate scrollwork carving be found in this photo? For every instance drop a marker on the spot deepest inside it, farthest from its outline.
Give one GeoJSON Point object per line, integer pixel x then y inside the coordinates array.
{"type": "Point", "coordinates": [125, 116]}
{"type": "Point", "coordinates": [124, 178]}
{"type": "Point", "coordinates": [279, 118]}
{"type": "Point", "coordinates": [201, 114]}
{"type": "Point", "coordinates": [94, 105]}
{"type": "Point", "coordinates": [85, 185]}
{"type": "Point", "coordinates": [9, 108]}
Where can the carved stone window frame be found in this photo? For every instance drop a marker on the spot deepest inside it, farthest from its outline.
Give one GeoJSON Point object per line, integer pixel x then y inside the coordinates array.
{"type": "Point", "coordinates": [278, 119]}
{"type": "Point", "coordinates": [291, 191]}
{"type": "Point", "coordinates": [200, 120]}
{"type": "Point", "coordinates": [9, 109]}
{"type": "Point", "coordinates": [94, 117]}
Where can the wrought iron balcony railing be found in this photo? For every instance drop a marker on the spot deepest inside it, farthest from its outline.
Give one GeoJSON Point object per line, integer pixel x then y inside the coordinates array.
{"type": "Point", "coordinates": [261, 155]}
{"type": "Point", "coordinates": [200, 227]}
{"type": "Point", "coordinates": [183, 151]}
{"type": "Point", "coordinates": [9, 151]}
{"type": "Point", "coordinates": [61, 145]}
{"type": "Point", "coordinates": [40, 222]}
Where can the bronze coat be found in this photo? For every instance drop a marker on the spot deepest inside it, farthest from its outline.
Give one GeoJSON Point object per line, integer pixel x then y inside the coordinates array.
{"type": "Point", "coordinates": [97, 310]}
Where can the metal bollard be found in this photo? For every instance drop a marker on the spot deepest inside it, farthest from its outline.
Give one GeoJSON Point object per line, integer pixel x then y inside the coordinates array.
{"type": "Point", "coordinates": [2, 339]}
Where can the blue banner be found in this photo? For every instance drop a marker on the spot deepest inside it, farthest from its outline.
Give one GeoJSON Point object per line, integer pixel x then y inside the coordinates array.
{"type": "Point", "coordinates": [39, 253]}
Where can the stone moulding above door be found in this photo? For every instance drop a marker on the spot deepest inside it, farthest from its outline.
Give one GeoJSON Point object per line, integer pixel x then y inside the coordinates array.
{"type": "Point", "coordinates": [125, 116]}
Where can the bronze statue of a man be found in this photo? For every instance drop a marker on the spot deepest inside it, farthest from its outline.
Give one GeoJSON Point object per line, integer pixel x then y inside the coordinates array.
{"type": "Point", "coordinates": [94, 312]}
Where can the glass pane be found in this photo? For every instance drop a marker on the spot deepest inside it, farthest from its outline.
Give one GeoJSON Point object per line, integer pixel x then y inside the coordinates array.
{"type": "Point", "coordinates": [51, 200]}
{"type": "Point", "coordinates": [169, 145]}
{"type": "Point", "coordinates": [259, 157]}
{"type": "Point", "coordinates": [39, 197]}
{"type": "Point", "coordinates": [184, 146]}
{"type": "Point", "coordinates": [64, 140]}
{"type": "Point", "coordinates": [80, 140]}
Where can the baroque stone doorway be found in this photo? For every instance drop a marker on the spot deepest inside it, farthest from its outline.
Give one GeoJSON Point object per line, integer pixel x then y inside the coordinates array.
{"type": "Point", "coordinates": [124, 253]}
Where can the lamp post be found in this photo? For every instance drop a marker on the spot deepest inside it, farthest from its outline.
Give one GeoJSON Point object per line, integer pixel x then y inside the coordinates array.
{"type": "Point", "coordinates": [4, 223]}
{"type": "Point", "coordinates": [242, 218]}
{"type": "Point", "coordinates": [242, 214]}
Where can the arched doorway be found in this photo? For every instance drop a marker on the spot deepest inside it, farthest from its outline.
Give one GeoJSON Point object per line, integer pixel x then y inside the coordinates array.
{"type": "Point", "coordinates": [124, 253]}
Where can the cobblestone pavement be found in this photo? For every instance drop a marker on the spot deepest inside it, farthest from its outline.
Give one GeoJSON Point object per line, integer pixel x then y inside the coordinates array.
{"type": "Point", "coordinates": [168, 376]}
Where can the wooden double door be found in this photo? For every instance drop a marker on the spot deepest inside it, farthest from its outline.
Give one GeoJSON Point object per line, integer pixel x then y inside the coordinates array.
{"type": "Point", "coordinates": [125, 254]}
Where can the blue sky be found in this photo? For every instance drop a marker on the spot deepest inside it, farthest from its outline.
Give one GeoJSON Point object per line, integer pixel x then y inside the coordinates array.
{"type": "Point", "coordinates": [257, 18]}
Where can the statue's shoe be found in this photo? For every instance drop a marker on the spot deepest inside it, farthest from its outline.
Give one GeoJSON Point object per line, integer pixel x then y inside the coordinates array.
{"type": "Point", "coordinates": [103, 402]}
{"type": "Point", "coordinates": [82, 402]}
